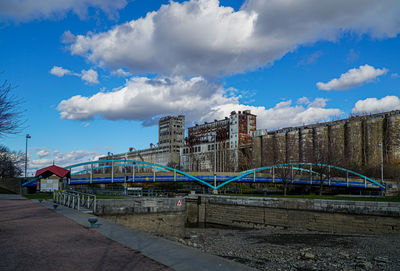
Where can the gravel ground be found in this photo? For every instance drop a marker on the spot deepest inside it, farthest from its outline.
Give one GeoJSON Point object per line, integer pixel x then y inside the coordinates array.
{"type": "Point", "coordinates": [278, 249]}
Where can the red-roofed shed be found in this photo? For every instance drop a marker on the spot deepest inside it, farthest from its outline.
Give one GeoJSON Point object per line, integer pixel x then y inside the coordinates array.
{"type": "Point", "coordinates": [48, 171]}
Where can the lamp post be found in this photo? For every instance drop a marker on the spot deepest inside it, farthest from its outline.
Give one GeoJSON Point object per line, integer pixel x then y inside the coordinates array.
{"type": "Point", "coordinates": [381, 146]}
{"type": "Point", "coordinates": [125, 158]}
{"type": "Point", "coordinates": [112, 167]}
{"type": "Point", "coordinates": [26, 153]}
{"type": "Point", "coordinates": [215, 162]}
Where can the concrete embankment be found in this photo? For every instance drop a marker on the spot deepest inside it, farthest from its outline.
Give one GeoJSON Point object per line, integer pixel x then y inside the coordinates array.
{"type": "Point", "coordinates": [156, 215]}
{"type": "Point", "coordinates": [304, 214]}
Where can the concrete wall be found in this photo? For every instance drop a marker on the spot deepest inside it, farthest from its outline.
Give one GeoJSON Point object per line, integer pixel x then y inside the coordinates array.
{"type": "Point", "coordinates": [11, 184]}
{"type": "Point", "coordinates": [156, 215]}
{"type": "Point", "coordinates": [318, 215]}
{"type": "Point", "coordinates": [159, 223]}
{"type": "Point", "coordinates": [139, 205]}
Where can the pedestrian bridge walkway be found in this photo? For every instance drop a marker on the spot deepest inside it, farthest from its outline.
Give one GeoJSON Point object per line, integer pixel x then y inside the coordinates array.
{"type": "Point", "coordinates": [289, 173]}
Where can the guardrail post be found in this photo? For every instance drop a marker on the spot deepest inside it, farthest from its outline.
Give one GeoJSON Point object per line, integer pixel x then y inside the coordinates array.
{"type": "Point", "coordinates": [347, 178]}
{"type": "Point", "coordinates": [174, 175]}
{"type": "Point", "coordinates": [254, 176]}
{"type": "Point", "coordinates": [311, 174]}
{"type": "Point", "coordinates": [79, 202]}
{"type": "Point", "coordinates": [154, 175]}
{"type": "Point", "coordinates": [291, 172]}
{"type": "Point", "coordinates": [91, 173]}
{"type": "Point", "coordinates": [273, 174]}
{"type": "Point", "coordinates": [94, 204]}
{"type": "Point", "coordinates": [329, 175]}
{"type": "Point", "coordinates": [133, 173]}
{"type": "Point", "coordinates": [365, 182]}
{"type": "Point", "coordinates": [112, 170]}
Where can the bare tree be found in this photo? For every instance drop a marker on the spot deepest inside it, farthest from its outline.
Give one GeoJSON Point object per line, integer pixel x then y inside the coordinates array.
{"type": "Point", "coordinates": [324, 154]}
{"type": "Point", "coordinates": [11, 163]}
{"type": "Point", "coordinates": [10, 115]}
{"type": "Point", "coordinates": [280, 151]}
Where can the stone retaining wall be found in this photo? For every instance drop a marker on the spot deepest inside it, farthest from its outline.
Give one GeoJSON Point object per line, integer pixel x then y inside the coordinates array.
{"type": "Point", "coordinates": [139, 206]}
{"type": "Point", "coordinates": [305, 214]}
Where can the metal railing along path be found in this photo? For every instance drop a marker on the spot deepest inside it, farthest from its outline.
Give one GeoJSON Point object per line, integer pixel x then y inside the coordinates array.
{"type": "Point", "coordinates": [75, 200]}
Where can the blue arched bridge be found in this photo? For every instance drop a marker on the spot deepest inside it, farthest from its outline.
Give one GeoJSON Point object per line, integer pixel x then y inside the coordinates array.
{"type": "Point", "coordinates": [291, 173]}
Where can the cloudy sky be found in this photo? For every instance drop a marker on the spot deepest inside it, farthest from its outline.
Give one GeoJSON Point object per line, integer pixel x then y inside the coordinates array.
{"type": "Point", "coordinates": [96, 75]}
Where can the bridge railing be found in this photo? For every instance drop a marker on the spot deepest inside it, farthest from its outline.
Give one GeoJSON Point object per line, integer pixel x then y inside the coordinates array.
{"type": "Point", "coordinates": [75, 200]}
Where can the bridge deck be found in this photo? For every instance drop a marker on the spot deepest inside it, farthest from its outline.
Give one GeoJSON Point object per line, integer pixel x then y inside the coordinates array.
{"type": "Point", "coordinates": [208, 178]}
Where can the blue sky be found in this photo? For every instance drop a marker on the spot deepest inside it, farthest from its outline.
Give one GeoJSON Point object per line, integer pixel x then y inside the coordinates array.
{"type": "Point", "coordinates": [95, 76]}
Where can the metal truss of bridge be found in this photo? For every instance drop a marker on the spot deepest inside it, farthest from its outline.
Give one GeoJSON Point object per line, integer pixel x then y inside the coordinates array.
{"type": "Point", "coordinates": [295, 173]}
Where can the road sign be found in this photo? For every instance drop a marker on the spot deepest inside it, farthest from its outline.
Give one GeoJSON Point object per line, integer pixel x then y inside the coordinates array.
{"type": "Point", "coordinates": [179, 203]}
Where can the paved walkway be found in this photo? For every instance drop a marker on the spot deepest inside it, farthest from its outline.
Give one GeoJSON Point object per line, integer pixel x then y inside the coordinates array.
{"type": "Point", "coordinates": [38, 238]}
{"type": "Point", "coordinates": [33, 237]}
{"type": "Point", "coordinates": [11, 196]}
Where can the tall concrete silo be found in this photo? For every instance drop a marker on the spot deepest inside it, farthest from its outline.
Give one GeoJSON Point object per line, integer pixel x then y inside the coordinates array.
{"type": "Point", "coordinates": [393, 138]}
{"type": "Point", "coordinates": [372, 136]}
{"type": "Point", "coordinates": [280, 147]}
{"type": "Point", "coordinates": [320, 143]}
{"type": "Point", "coordinates": [337, 143]}
{"type": "Point", "coordinates": [354, 142]}
{"type": "Point", "coordinates": [292, 146]}
{"type": "Point", "coordinates": [306, 145]}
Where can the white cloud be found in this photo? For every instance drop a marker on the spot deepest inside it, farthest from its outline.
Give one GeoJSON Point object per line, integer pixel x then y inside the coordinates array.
{"type": "Point", "coordinates": [42, 153]}
{"type": "Point", "coordinates": [143, 99]}
{"type": "Point", "coordinates": [395, 75]}
{"type": "Point", "coordinates": [374, 105]}
{"type": "Point", "coordinates": [59, 71]}
{"type": "Point", "coordinates": [200, 37]}
{"type": "Point", "coordinates": [26, 10]}
{"type": "Point", "coordinates": [281, 115]}
{"type": "Point", "coordinates": [353, 78]}
{"type": "Point", "coordinates": [62, 159]}
{"type": "Point", "coordinates": [89, 76]}
{"type": "Point", "coordinates": [303, 100]}
{"type": "Point", "coordinates": [121, 73]}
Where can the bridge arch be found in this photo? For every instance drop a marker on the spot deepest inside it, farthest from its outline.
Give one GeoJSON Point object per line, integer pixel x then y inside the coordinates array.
{"type": "Point", "coordinates": [142, 163]}
{"type": "Point", "coordinates": [287, 165]}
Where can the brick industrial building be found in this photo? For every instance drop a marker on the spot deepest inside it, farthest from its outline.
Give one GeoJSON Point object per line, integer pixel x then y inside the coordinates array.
{"type": "Point", "coordinates": [216, 146]}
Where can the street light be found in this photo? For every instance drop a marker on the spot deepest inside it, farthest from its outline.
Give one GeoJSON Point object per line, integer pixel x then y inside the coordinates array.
{"type": "Point", "coordinates": [215, 161]}
{"type": "Point", "coordinates": [112, 167]}
{"type": "Point", "coordinates": [381, 146]}
{"type": "Point", "coordinates": [26, 153]}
